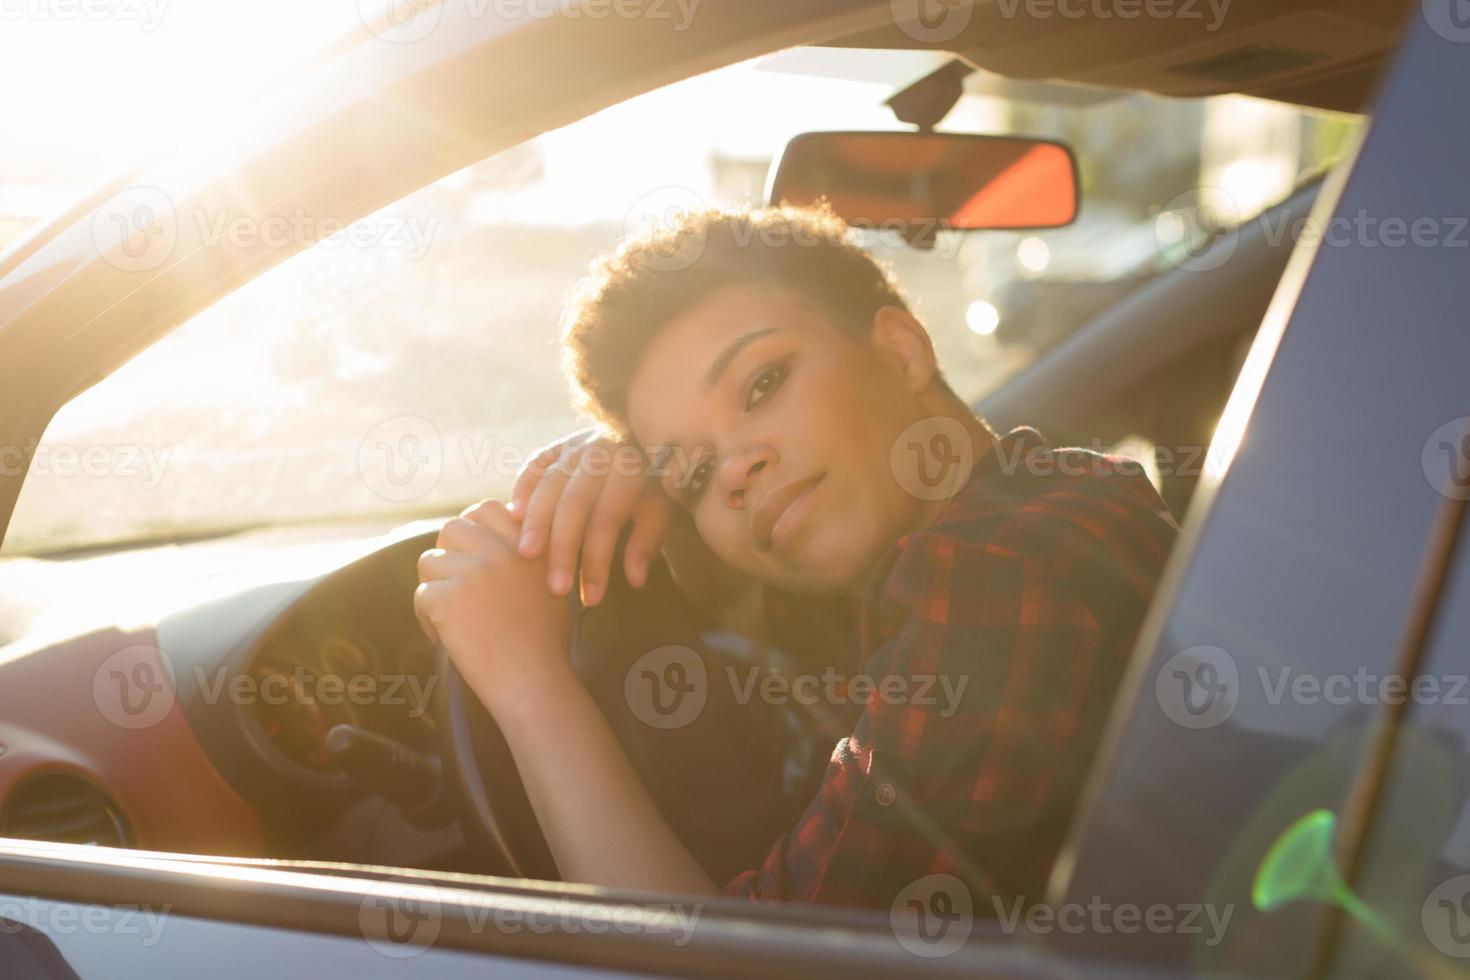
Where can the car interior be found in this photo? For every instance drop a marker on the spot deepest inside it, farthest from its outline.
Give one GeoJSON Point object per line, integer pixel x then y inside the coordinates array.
{"type": "Point", "coordinates": [418, 777]}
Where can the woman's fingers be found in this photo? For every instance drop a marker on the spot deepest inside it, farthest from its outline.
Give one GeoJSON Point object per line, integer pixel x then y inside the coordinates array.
{"type": "Point", "coordinates": [651, 519]}
{"type": "Point", "coordinates": [542, 504]}
{"type": "Point", "coordinates": [540, 462]}
{"type": "Point", "coordinates": [425, 596]}
{"type": "Point", "coordinates": [614, 507]}
{"type": "Point", "coordinates": [568, 526]}
{"type": "Point", "coordinates": [571, 502]}
{"type": "Point", "coordinates": [531, 475]}
{"type": "Point", "coordinates": [493, 514]}
{"type": "Point", "coordinates": [471, 537]}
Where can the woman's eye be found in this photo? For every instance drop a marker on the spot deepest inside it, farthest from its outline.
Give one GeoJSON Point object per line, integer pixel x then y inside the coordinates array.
{"type": "Point", "coordinates": [766, 384]}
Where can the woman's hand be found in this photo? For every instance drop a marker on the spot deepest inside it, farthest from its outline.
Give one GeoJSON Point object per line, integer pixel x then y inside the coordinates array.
{"type": "Point", "coordinates": [577, 494]}
{"type": "Point", "coordinates": [490, 609]}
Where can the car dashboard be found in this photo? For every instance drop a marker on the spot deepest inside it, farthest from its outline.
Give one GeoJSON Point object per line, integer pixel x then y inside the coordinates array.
{"type": "Point", "coordinates": [214, 696]}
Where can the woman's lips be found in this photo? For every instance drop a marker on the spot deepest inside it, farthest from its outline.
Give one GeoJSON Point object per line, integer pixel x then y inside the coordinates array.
{"type": "Point", "coordinates": [782, 513]}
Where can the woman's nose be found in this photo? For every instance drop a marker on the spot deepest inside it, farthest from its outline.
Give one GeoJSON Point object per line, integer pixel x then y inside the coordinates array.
{"type": "Point", "coordinates": [738, 472]}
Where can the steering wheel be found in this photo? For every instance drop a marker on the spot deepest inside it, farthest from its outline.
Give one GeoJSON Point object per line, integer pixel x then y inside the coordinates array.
{"type": "Point", "coordinates": [481, 778]}
{"type": "Point", "coordinates": [727, 814]}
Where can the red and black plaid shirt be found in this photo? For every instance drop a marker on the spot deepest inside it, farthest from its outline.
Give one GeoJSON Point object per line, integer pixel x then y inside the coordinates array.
{"type": "Point", "coordinates": [1028, 590]}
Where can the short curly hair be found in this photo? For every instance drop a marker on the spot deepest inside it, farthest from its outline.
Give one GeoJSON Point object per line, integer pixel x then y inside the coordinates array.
{"type": "Point", "coordinates": [650, 279]}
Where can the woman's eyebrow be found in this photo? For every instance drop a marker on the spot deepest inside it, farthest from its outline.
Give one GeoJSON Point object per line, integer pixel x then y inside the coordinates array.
{"type": "Point", "coordinates": [721, 363]}
{"type": "Point", "coordinates": [717, 369]}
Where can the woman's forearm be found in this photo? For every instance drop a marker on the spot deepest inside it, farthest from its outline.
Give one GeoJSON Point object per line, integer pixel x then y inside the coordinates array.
{"type": "Point", "coordinates": [596, 814]}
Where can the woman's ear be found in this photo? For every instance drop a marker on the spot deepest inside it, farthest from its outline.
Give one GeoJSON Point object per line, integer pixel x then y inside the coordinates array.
{"type": "Point", "coordinates": [903, 344]}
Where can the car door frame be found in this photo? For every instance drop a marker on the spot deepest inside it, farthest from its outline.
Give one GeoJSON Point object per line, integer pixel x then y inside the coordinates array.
{"type": "Point", "coordinates": [43, 284]}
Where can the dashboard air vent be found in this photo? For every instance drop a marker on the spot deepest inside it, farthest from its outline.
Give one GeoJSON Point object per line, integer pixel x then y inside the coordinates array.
{"type": "Point", "coordinates": [63, 808]}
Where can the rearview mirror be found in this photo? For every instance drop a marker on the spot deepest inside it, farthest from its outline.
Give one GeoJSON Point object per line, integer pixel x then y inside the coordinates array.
{"type": "Point", "coordinates": [920, 183]}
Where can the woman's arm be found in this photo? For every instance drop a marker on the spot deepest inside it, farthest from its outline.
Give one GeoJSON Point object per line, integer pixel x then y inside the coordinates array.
{"type": "Point", "coordinates": [509, 637]}
{"type": "Point", "coordinates": [601, 824]}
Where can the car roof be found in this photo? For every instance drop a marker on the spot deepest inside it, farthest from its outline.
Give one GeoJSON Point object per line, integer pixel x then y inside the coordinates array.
{"type": "Point", "coordinates": [1325, 54]}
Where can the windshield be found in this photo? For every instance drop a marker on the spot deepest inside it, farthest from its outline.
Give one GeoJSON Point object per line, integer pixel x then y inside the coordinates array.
{"type": "Point", "coordinates": [408, 364]}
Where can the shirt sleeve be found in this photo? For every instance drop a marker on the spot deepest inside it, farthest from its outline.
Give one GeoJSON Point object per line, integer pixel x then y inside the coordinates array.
{"type": "Point", "coordinates": [981, 717]}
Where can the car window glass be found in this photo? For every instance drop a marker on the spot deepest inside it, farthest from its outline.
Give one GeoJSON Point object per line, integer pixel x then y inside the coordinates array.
{"type": "Point", "coordinates": [408, 364]}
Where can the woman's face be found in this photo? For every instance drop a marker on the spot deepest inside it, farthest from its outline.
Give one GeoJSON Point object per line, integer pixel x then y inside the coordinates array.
{"type": "Point", "coordinates": [774, 429]}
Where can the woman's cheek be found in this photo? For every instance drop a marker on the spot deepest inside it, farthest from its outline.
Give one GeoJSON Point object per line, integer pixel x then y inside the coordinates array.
{"type": "Point", "coordinates": [720, 533]}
